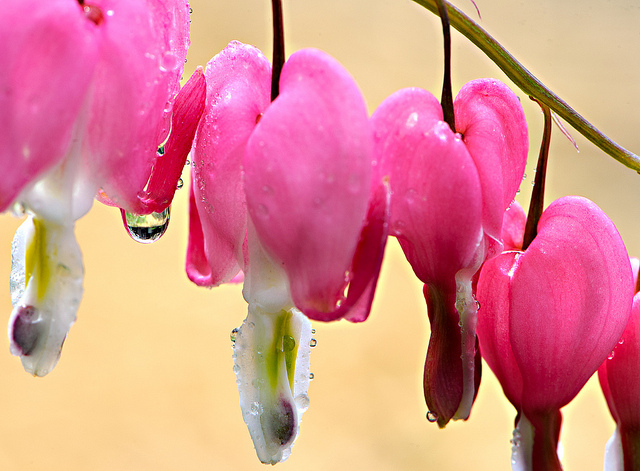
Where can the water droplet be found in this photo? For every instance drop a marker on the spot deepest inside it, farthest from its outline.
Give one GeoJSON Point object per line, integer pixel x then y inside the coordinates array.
{"type": "Point", "coordinates": [620, 342]}
{"type": "Point", "coordinates": [313, 331]}
{"type": "Point", "coordinates": [255, 408]}
{"type": "Point", "coordinates": [302, 401]}
{"type": "Point", "coordinates": [169, 62]}
{"type": "Point", "coordinates": [477, 305]}
{"type": "Point", "coordinates": [180, 184]}
{"type": "Point", "coordinates": [236, 369]}
{"type": "Point", "coordinates": [611, 355]}
{"type": "Point", "coordinates": [18, 209]}
{"type": "Point", "coordinates": [234, 334]}
{"type": "Point", "coordinates": [432, 417]}
{"type": "Point", "coordinates": [190, 10]}
{"type": "Point", "coordinates": [146, 228]}
{"type": "Point", "coordinates": [187, 163]}
{"type": "Point", "coordinates": [288, 343]}
{"type": "Point", "coordinates": [524, 176]}
{"type": "Point", "coordinates": [263, 210]}
{"type": "Point", "coordinates": [313, 342]}
{"type": "Point", "coordinates": [410, 195]}
{"type": "Point", "coordinates": [160, 150]}
{"type": "Point", "coordinates": [311, 376]}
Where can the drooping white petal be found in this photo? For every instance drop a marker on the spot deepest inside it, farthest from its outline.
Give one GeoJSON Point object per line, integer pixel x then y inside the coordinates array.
{"type": "Point", "coordinates": [522, 445]}
{"type": "Point", "coordinates": [47, 270]}
{"type": "Point", "coordinates": [613, 458]}
{"type": "Point", "coordinates": [271, 362]}
{"type": "Point", "coordinates": [46, 288]}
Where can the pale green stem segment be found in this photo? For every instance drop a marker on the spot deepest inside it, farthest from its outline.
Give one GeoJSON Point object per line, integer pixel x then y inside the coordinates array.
{"type": "Point", "coordinates": [529, 84]}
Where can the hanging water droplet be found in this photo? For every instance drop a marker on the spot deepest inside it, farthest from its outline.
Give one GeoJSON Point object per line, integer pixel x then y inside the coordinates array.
{"type": "Point", "coordinates": [432, 417]}
{"type": "Point", "coordinates": [187, 163]}
{"type": "Point", "coordinates": [234, 335]}
{"type": "Point", "coordinates": [146, 228]}
{"type": "Point", "coordinates": [190, 10]}
{"type": "Point", "coordinates": [313, 331]}
{"type": "Point", "coordinates": [160, 150]}
{"type": "Point", "coordinates": [313, 342]}
{"type": "Point", "coordinates": [180, 183]}
{"type": "Point", "coordinates": [611, 355]}
{"type": "Point", "coordinates": [311, 376]}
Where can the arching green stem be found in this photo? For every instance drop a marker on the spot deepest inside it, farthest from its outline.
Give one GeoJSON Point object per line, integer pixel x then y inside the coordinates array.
{"type": "Point", "coordinates": [278, 47]}
{"type": "Point", "coordinates": [529, 84]}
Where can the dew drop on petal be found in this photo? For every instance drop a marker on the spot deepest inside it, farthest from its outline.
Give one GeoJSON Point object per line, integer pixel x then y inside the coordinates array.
{"type": "Point", "coordinates": [180, 184]}
{"type": "Point", "coordinates": [169, 62]}
{"type": "Point", "coordinates": [313, 342]}
{"type": "Point", "coordinates": [432, 417]}
{"type": "Point", "coordinates": [146, 228]}
{"type": "Point", "coordinates": [611, 355]}
{"type": "Point", "coordinates": [234, 334]}
{"type": "Point", "coordinates": [311, 376]}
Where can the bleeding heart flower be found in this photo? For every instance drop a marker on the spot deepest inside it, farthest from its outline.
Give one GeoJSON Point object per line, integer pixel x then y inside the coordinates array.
{"type": "Point", "coordinates": [286, 192]}
{"type": "Point", "coordinates": [89, 93]}
{"type": "Point", "coordinates": [449, 194]}
{"type": "Point", "coordinates": [620, 384]}
{"type": "Point", "coordinates": [550, 315]}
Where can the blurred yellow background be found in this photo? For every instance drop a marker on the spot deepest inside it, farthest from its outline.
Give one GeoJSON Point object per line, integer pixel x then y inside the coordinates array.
{"type": "Point", "coordinates": [145, 381]}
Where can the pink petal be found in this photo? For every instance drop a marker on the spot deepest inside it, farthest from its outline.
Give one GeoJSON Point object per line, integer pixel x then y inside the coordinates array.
{"type": "Point", "coordinates": [366, 264]}
{"type": "Point", "coordinates": [308, 177]}
{"type": "Point", "coordinates": [570, 301]}
{"type": "Point", "coordinates": [48, 52]}
{"type": "Point", "coordinates": [436, 195]}
{"type": "Point", "coordinates": [491, 119]}
{"type": "Point", "coordinates": [167, 168]}
{"type": "Point", "coordinates": [513, 226]}
{"type": "Point", "coordinates": [619, 373]}
{"type": "Point", "coordinates": [140, 63]}
{"type": "Point", "coordinates": [493, 294]}
{"type": "Point", "coordinates": [238, 92]}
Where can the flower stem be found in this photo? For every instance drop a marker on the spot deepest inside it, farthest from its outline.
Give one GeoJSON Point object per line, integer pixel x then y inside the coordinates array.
{"type": "Point", "coordinates": [278, 47]}
{"type": "Point", "coordinates": [446, 101]}
{"type": "Point", "coordinates": [536, 205]}
{"type": "Point", "coordinates": [630, 439]}
{"type": "Point", "coordinates": [545, 440]}
{"type": "Point", "coordinates": [529, 84]}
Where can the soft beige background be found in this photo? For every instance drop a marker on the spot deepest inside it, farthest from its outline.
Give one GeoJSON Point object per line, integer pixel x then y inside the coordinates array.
{"type": "Point", "coordinates": [145, 380]}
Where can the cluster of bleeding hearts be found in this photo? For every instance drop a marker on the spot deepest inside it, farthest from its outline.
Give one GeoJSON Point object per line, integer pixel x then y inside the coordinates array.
{"type": "Point", "coordinates": [300, 193]}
